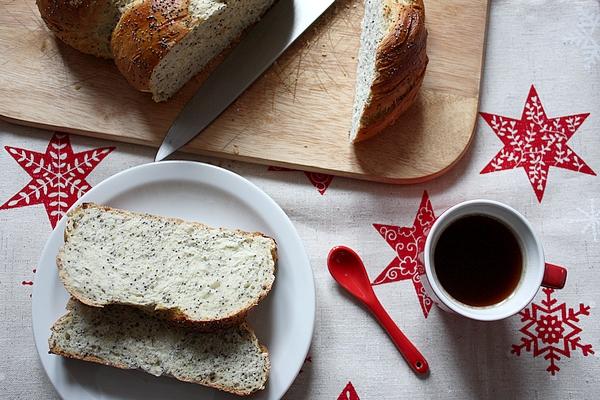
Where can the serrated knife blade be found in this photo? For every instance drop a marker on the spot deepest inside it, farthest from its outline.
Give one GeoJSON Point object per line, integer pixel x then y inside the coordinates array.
{"type": "Point", "coordinates": [274, 33]}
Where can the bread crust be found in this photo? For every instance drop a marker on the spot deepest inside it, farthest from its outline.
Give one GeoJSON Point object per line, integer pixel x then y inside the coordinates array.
{"type": "Point", "coordinates": [75, 23]}
{"type": "Point", "coordinates": [400, 65]}
{"type": "Point", "coordinates": [55, 349]}
{"type": "Point", "coordinates": [173, 315]}
{"type": "Point", "coordinates": [145, 34]}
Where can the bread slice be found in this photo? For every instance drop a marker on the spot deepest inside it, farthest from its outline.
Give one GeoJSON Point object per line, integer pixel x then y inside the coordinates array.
{"type": "Point", "coordinates": [123, 337]}
{"type": "Point", "coordinates": [160, 44]}
{"type": "Point", "coordinates": [86, 25]}
{"type": "Point", "coordinates": [391, 64]}
{"type": "Point", "coordinates": [182, 271]}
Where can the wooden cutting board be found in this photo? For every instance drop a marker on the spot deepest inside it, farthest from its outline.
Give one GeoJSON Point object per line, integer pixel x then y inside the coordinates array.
{"type": "Point", "coordinates": [296, 115]}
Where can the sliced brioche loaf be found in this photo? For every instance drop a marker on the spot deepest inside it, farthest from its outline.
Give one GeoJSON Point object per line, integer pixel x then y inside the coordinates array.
{"type": "Point", "coordinates": [159, 45]}
{"type": "Point", "coordinates": [86, 25]}
{"type": "Point", "coordinates": [183, 271]}
{"type": "Point", "coordinates": [231, 360]}
{"type": "Point", "coordinates": [391, 64]}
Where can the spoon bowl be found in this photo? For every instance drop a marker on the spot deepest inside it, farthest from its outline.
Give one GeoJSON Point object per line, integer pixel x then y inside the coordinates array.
{"type": "Point", "coordinates": [348, 270]}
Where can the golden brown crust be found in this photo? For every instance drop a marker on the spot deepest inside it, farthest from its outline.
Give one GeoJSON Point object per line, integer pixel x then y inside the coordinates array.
{"type": "Point", "coordinates": [76, 23]}
{"type": "Point", "coordinates": [174, 315]}
{"type": "Point", "coordinates": [265, 354]}
{"type": "Point", "coordinates": [145, 34]}
{"type": "Point", "coordinates": [400, 67]}
{"type": "Point", "coordinates": [178, 318]}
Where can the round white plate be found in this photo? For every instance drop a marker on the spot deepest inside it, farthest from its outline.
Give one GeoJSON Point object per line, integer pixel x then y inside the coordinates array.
{"type": "Point", "coordinates": [193, 191]}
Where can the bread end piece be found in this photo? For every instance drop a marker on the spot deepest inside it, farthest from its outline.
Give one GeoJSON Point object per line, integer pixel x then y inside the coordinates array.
{"type": "Point", "coordinates": [144, 35]}
{"type": "Point", "coordinates": [85, 25]}
{"type": "Point", "coordinates": [392, 64]}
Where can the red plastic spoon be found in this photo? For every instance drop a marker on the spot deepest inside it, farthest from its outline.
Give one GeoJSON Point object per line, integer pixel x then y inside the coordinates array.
{"type": "Point", "coordinates": [348, 270]}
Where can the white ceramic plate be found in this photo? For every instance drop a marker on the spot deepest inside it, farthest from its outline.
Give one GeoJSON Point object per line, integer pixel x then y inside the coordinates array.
{"type": "Point", "coordinates": [199, 192]}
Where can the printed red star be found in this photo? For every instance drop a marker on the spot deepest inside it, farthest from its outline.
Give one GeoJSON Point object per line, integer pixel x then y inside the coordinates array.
{"type": "Point", "coordinates": [408, 242]}
{"type": "Point", "coordinates": [348, 393]}
{"type": "Point", "coordinates": [551, 330]}
{"type": "Point", "coordinates": [58, 176]}
{"type": "Point", "coordinates": [535, 143]}
{"type": "Point", "coordinates": [320, 181]}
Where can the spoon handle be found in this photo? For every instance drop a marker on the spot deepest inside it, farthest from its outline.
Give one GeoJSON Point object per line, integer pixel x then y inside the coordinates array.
{"type": "Point", "coordinates": [411, 354]}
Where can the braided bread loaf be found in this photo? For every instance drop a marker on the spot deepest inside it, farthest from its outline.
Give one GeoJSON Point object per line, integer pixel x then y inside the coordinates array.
{"type": "Point", "coordinates": [158, 45]}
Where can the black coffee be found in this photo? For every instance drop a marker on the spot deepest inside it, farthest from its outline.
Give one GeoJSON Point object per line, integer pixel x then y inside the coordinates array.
{"type": "Point", "coordinates": [478, 260]}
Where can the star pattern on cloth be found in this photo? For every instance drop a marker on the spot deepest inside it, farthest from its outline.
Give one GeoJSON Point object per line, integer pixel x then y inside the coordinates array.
{"type": "Point", "coordinates": [349, 393]}
{"type": "Point", "coordinates": [58, 176]}
{"type": "Point", "coordinates": [535, 143]}
{"type": "Point", "coordinates": [586, 36]}
{"type": "Point", "coordinates": [589, 221]}
{"type": "Point", "coordinates": [408, 242]}
{"type": "Point", "coordinates": [320, 181]}
{"type": "Point", "coordinates": [551, 330]}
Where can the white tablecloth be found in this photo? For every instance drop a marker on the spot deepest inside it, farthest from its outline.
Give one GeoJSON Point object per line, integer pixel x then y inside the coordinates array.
{"type": "Point", "coordinates": [549, 351]}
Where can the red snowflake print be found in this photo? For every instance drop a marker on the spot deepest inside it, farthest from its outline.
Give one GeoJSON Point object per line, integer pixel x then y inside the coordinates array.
{"type": "Point", "coordinates": [58, 176]}
{"type": "Point", "coordinates": [320, 181]}
{"type": "Point", "coordinates": [551, 330]}
{"type": "Point", "coordinates": [348, 393]}
{"type": "Point", "coordinates": [408, 242]}
{"type": "Point", "coordinates": [535, 143]}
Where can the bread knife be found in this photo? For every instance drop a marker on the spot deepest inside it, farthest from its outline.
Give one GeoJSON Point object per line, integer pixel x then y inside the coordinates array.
{"type": "Point", "coordinates": [277, 30]}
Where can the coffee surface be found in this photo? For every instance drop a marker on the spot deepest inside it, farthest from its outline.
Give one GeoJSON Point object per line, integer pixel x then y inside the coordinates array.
{"type": "Point", "coordinates": [478, 260]}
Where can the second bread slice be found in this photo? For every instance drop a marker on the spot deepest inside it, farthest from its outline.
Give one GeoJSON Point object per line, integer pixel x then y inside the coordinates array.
{"type": "Point", "coordinates": [231, 360]}
{"type": "Point", "coordinates": [182, 271]}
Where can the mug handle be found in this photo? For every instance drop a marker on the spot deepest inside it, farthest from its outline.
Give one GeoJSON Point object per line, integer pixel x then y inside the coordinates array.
{"type": "Point", "coordinates": [555, 276]}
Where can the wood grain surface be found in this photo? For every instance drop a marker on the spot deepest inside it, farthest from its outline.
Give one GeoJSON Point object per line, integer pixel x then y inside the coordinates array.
{"type": "Point", "coordinates": [296, 115]}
